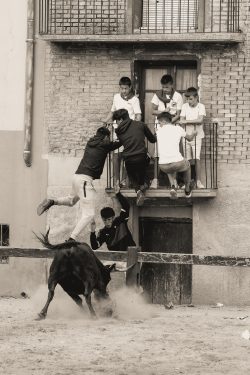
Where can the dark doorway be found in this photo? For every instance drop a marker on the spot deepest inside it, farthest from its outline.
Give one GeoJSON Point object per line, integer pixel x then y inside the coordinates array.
{"type": "Point", "coordinates": [163, 283]}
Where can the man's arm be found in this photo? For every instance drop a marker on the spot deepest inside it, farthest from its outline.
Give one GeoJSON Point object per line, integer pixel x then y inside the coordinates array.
{"type": "Point", "coordinates": [149, 135]}
{"type": "Point", "coordinates": [191, 136]}
{"type": "Point", "coordinates": [95, 241]}
{"type": "Point", "coordinates": [198, 121]}
{"type": "Point", "coordinates": [114, 145]}
{"type": "Point", "coordinates": [124, 214]}
{"type": "Point", "coordinates": [176, 117]}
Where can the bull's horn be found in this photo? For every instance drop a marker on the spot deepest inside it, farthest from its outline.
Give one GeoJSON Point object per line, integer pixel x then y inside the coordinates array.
{"type": "Point", "coordinates": [124, 269]}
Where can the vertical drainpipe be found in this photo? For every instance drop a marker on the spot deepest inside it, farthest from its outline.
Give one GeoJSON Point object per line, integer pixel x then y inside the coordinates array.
{"type": "Point", "coordinates": [29, 81]}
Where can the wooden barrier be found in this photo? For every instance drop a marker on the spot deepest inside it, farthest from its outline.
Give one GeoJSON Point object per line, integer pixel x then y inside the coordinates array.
{"type": "Point", "coordinates": [134, 257]}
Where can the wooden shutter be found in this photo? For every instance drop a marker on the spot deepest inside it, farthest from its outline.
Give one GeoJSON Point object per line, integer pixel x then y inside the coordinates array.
{"type": "Point", "coordinates": [170, 15]}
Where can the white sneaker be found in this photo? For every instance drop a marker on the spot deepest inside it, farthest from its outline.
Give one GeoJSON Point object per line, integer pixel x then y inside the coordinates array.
{"type": "Point", "coordinates": [154, 184]}
{"type": "Point", "coordinates": [200, 185]}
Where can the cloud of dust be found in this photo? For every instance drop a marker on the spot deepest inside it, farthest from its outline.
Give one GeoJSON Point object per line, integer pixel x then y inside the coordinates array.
{"type": "Point", "coordinates": [125, 303]}
{"type": "Point", "coordinates": [129, 304]}
{"type": "Point", "coordinates": [61, 307]}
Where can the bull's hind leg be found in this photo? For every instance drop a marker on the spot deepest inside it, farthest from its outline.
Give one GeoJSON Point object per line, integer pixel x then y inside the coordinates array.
{"type": "Point", "coordinates": [88, 301]}
{"type": "Point", "coordinates": [76, 298]}
{"type": "Point", "coordinates": [43, 313]}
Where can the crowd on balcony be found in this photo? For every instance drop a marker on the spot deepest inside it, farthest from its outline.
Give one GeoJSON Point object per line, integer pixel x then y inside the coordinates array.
{"type": "Point", "coordinates": [180, 141]}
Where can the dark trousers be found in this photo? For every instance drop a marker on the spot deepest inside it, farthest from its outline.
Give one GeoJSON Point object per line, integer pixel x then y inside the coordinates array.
{"type": "Point", "coordinates": [136, 169]}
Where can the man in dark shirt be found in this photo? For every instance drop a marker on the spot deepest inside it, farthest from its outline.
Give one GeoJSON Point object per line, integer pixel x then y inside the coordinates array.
{"type": "Point", "coordinates": [115, 233]}
{"type": "Point", "coordinates": [132, 135]}
{"type": "Point", "coordinates": [89, 169]}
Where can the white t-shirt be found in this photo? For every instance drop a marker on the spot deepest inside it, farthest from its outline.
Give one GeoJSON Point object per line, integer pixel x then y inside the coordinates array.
{"type": "Point", "coordinates": [168, 140]}
{"type": "Point", "coordinates": [192, 113]}
{"type": "Point", "coordinates": [132, 105]}
{"type": "Point", "coordinates": [174, 105]}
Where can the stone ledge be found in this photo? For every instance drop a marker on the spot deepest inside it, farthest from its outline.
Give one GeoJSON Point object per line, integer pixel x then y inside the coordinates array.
{"type": "Point", "coordinates": [147, 38]}
{"type": "Point", "coordinates": [155, 195]}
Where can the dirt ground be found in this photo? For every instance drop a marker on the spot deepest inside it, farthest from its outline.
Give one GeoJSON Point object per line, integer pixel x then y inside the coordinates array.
{"type": "Point", "coordinates": [140, 339]}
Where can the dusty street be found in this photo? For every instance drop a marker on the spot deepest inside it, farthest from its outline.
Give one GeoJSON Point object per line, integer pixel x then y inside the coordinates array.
{"type": "Point", "coordinates": [142, 339]}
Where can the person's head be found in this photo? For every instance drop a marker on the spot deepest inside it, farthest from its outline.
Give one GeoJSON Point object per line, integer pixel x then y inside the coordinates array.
{"type": "Point", "coordinates": [167, 84]}
{"type": "Point", "coordinates": [107, 215]}
{"type": "Point", "coordinates": [164, 118]}
{"type": "Point", "coordinates": [125, 86]}
{"type": "Point", "coordinates": [120, 115]}
{"type": "Point", "coordinates": [192, 96]}
{"type": "Point", "coordinates": [103, 132]}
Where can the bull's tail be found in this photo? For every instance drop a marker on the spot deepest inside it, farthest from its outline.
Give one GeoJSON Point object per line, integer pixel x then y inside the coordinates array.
{"type": "Point", "coordinates": [44, 239]}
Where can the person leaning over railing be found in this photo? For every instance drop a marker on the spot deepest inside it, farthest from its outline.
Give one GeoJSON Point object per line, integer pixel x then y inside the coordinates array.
{"type": "Point", "coordinates": [170, 159]}
{"type": "Point", "coordinates": [192, 115]}
{"type": "Point", "coordinates": [132, 136]}
{"type": "Point", "coordinates": [166, 100]}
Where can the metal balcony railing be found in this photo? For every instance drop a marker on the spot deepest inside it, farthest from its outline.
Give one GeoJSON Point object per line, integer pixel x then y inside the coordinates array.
{"type": "Point", "coordinates": [124, 17]}
{"type": "Point", "coordinates": [209, 158]}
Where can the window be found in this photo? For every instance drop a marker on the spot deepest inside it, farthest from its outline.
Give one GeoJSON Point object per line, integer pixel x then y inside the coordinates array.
{"type": "Point", "coordinates": [4, 235]}
{"type": "Point", "coordinates": [170, 15]}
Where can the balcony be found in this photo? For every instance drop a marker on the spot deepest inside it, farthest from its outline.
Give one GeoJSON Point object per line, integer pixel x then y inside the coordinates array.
{"type": "Point", "coordinates": [140, 20]}
{"type": "Point", "coordinates": [159, 185]}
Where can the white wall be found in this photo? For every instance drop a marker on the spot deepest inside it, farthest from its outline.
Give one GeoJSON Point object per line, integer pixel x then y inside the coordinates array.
{"type": "Point", "coordinates": [13, 26]}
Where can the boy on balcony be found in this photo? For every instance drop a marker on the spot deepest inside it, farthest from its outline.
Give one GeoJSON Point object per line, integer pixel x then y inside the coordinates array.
{"type": "Point", "coordinates": [166, 100]}
{"type": "Point", "coordinates": [192, 115]}
{"type": "Point", "coordinates": [132, 136]}
{"type": "Point", "coordinates": [170, 159]}
{"type": "Point", "coordinates": [126, 99]}
{"type": "Point", "coordinates": [89, 169]}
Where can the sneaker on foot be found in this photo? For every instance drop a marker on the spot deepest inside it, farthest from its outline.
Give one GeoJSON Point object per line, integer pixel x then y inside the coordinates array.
{"type": "Point", "coordinates": [70, 239]}
{"type": "Point", "coordinates": [140, 198]}
{"type": "Point", "coordinates": [173, 193]}
{"type": "Point", "coordinates": [188, 193]}
{"type": "Point", "coordinates": [200, 185]}
{"type": "Point", "coordinates": [44, 206]}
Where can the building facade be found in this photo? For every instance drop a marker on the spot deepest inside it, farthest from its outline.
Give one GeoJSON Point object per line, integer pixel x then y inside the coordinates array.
{"type": "Point", "coordinates": [82, 48]}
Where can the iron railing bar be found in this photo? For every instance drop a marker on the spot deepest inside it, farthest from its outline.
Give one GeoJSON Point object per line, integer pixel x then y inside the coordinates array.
{"type": "Point", "coordinates": [117, 23]}
{"type": "Point", "coordinates": [101, 15]}
{"type": "Point", "coordinates": [51, 13]}
{"type": "Point", "coordinates": [109, 17]}
{"type": "Point", "coordinates": [93, 17]}
{"type": "Point", "coordinates": [210, 154]}
{"type": "Point", "coordinates": [70, 17]}
{"type": "Point", "coordinates": [188, 16]}
{"type": "Point", "coordinates": [212, 15]}
{"type": "Point", "coordinates": [205, 139]}
{"type": "Point", "coordinates": [216, 153]}
{"type": "Point", "coordinates": [172, 13]}
{"type": "Point", "coordinates": [78, 16]}
{"type": "Point", "coordinates": [164, 17]}
{"type": "Point", "coordinates": [220, 15]}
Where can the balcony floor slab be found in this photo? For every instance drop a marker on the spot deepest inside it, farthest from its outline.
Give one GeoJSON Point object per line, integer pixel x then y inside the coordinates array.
{"type": "Point", "coordinates": [163, 196]}
{"type": "Point", "coordinates": [147, 38]}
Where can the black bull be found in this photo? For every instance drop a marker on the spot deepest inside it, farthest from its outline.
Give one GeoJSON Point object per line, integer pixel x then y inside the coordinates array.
{"type": "Point", "coordinates": [77, 269]}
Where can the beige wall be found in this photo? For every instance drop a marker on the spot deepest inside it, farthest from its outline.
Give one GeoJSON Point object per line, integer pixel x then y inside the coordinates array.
{"type": "Point", "coordinates": [21, 188]}
{"type": "Point", "coordinates": [12, 63]}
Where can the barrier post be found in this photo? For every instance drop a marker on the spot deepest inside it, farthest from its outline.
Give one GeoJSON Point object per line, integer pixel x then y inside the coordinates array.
{"type": "Point", "coordinates": [132, 275]}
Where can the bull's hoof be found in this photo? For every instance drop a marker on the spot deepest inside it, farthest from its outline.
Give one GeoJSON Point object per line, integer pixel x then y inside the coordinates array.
{"type": "Point", "coordinates": [40, 316]}
{"type": "Point", "coordinates": [108, 313]}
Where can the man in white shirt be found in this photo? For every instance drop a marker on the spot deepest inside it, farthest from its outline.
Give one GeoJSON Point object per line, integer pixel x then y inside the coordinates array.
{"type": "Point", "coordinates": [166, 100]}
{"type": "Point", "coordinates": [126, 99]}
{"type": "Point", "coordinates": [170, 159]}
{"type": "Point", "coordinates": [192, 116]}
